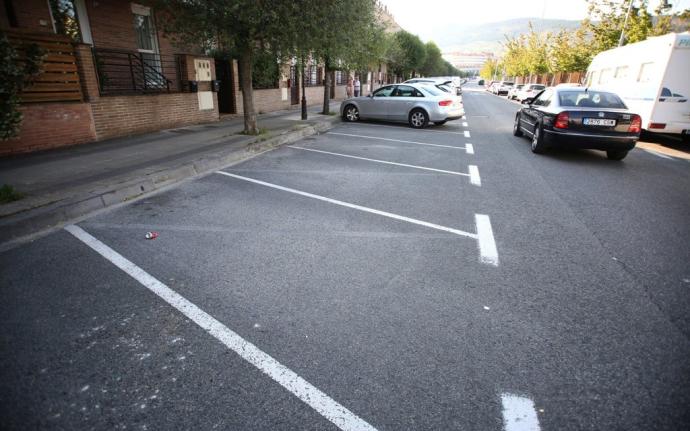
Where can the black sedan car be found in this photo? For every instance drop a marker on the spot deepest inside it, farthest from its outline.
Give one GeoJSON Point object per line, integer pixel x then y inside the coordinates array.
{"type": "Point", "coordinates": [578, 117]}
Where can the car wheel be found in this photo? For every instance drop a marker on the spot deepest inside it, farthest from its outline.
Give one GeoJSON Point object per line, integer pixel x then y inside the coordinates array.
{"type": "Point", "coordinates": [440, 123]}
{"type": "Point", "coordinates": [351, 113]}
{"type": "Point", "coordinates": [516, 127]}
{"type": "Point", "coordinates": [538, 144]}
{"type": "Point", "coordinates": [418, 119]}
{"type": "Point", "coordinates": [616, 155]}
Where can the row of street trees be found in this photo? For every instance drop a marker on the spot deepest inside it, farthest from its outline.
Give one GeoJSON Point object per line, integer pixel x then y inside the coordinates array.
{"type": "Point", "coordinates": [534, 53]}
{"type": "Point", "coordinates": [340, 34]}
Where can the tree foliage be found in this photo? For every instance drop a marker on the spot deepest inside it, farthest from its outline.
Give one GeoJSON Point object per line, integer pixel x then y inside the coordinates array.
{"type": "Point", "coordinates": [570, 51]}
{"type": "Point", "coordinates": [14, 75]}
{"type": "Point", "coordinates": [407, 54]}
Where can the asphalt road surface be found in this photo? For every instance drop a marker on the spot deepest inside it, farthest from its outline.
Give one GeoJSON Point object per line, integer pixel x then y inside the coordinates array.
{"type": "Point", "coordinates": [373, 277]}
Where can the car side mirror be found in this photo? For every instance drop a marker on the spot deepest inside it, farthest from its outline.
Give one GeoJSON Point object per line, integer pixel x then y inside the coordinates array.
{"type": "Point", "coordinates": [370, 95]}
{"type": "Point", "coordinates": [527, 101]}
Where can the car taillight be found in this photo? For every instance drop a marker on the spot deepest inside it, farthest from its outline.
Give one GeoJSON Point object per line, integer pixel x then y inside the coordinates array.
{"type": "Point", "coordinates": [562, 120]}
{"type": "Point", "coordinates": [657, 125]}
{"type": "Point", "coordinates": [445, 103]}
{"type": "Point", "coordinates": [635, 124]}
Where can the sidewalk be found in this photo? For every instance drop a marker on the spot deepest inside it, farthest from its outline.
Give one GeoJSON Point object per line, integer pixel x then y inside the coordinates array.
{"type": "Point", "coordinates": [67, 183]}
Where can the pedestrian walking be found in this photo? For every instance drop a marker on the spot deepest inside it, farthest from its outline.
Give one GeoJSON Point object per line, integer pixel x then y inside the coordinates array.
{"type": "Point", "coordinates": [357, 86]}
{"type": "Point", "coordinates": [349, 89]}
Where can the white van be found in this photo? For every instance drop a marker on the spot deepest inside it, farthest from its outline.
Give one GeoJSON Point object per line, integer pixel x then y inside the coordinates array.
{"type": "Point", "coordinates": [652, 77]}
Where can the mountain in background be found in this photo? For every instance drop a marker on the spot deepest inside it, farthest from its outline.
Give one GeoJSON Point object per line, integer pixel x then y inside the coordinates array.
{"type": "Point", "coordinates": [488, 37]}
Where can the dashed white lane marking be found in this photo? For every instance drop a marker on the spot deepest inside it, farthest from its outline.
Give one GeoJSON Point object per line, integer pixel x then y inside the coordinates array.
{"type": "Point", "coordinates": [663, 156]}
{"type": "Point", "coordinates": [471, 174]}
{"type": "Point", "coordinates": [467, 133]}
{"type": "Point", "coordinates": [519, 413]}
{"type": "Point", "coordinates": [396, 140]}
{"type": "Point", "coordinates": [469, 148]}
{"type": "Point", "coordinates": [464, 124]}
{"type": "Point", "coordinates": [484, 236]}
{"type": "Point", "coordinates": [319, 401]}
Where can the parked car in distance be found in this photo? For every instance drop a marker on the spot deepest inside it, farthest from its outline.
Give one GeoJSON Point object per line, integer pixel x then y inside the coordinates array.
{"type": "Point", "coordinates": [512, 93]}
{"type": "Point", "coordinates": [569, 84]}
{"type": "Point", "coordinates": [416, 104]}
{"type": "Point", "coordinates": [529, 90]}
{"type": "Point", "coordinates": [578, 117]}
{"type": "Point", "coordinates": [492, 87]}
{"type": "Point", "coordinates": [480, 82]}
{"type": "Point", "coordinates": [504, 87]}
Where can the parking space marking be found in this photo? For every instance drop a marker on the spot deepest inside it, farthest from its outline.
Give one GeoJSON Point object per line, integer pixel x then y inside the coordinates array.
{"type": "Point", "coordinates": [464, 124]}
{"type": "Point", "coordinates": [519, 413]}
{"type": "Point", "coordinates": [310, 395]}
{"type": "Point", "coordinates": [467, 133]}
{"type": "Point", "coordinates": [473, 169]}
{"type": "Point", "coordinates": [398, 140]}
{"type": "Point", "coordinates": [654, 153]}
{"type": "Point", "coordinates": [474, 175]}
{"type": "Point", "coordinates": [402, 129]}
{"type": "Point", "coordinates": [488, 253]}
{"type": "Point", "coordinates": [469, 148]}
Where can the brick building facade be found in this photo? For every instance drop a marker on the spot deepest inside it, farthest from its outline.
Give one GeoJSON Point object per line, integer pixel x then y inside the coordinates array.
{"type": "Point", "coordinates": [109, 72]}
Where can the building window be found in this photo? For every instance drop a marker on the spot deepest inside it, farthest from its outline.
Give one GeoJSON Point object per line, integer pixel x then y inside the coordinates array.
{"type": "Point", "coordinates": [11, 15]}
{"type": "Point", "coordinates": [65, 18]}
{"type": "Point", "coordinates": [621, 72]}
{"type": "Point", "coordinates": [312, 76]}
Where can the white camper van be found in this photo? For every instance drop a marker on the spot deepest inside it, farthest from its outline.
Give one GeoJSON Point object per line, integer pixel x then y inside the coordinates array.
{"type": "Point", "coordinates": [652, 77]}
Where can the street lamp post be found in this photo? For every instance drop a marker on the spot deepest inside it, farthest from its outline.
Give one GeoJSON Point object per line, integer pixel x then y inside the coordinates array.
{"type": "Point", "coordinates": [625, 22]}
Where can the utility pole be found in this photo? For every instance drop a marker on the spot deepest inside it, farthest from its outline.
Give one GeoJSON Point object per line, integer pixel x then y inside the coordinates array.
{"type": "Point", "coordinates": [625, 22]}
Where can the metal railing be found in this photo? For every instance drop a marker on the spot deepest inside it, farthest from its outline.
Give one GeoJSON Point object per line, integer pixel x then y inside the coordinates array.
{"type": "Point", "coordinates": [128, 72]}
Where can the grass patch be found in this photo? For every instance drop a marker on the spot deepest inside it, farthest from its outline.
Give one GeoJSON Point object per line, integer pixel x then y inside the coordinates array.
{"type": "Point", "coordinates": [9, 194]}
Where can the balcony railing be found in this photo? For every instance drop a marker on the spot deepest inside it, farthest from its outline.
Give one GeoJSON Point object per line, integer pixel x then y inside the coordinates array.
{"type": "Point", "coordinates": [127, 72]}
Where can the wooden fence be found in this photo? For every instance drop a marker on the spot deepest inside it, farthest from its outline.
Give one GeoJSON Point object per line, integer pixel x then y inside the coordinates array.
{"type": "Point", "coordinates": [59, 77]}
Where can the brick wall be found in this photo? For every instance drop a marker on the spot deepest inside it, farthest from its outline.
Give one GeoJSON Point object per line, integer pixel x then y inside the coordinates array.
{"type": "Point", "coordinates": [51, 125]}
{"type": "Point", "coordinates": [271, 99]}
{"type": "Point", "coordinates": [128, 115]}
{"type": "Point", "coordinates": [32, 15]}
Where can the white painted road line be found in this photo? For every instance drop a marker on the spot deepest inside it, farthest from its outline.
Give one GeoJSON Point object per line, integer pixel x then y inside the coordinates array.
{"type": "Point", "coordinates": [464, 124]}
{"type": "Point", "coordinates": [396, 140]}
{"type": "Point", "coordinates": [484, 236]}
{"type": "Point", "coordinates": [393, 163]}
{"type": "Point", "coordinates": [469, 148]}
{"type": "Point", "coordinates": [403, 129]}
{"type": "Point", "coordinates": [519, 413]}
{"type": "Point", "coordinates": [474, 175]}
{"type": "Point", "coordinates": [319, 401]}
{"type": "Point", "coordinates": [467, 133]}
{"type": "Point", "coordinates": [488, 253]}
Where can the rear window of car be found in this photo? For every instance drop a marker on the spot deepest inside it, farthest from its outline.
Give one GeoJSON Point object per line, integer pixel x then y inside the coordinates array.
{"type": "Point", "coordinates": [537, 87]}
{"type": "Point", "coordinates": [590, 99]}
{"type": "Point", "coordinates": [432, 90]}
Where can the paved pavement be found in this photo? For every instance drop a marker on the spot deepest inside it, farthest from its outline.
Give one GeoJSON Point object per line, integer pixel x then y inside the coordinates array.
{"type": "Point", "coordinates": [64, 184]}
{"type": "Point", "coordinates": [372, 277]}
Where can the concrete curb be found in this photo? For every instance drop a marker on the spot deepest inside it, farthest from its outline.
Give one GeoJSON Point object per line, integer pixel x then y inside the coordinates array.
{"type": "Point", "coordinates": [17, 228]}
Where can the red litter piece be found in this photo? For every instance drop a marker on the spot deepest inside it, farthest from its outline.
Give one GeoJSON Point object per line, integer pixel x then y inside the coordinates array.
{"type": "Point", "coordinates": [151, 235]}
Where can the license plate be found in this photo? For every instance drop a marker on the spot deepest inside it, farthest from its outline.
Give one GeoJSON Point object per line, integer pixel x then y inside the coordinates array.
{"type": "Point", "coordinates": [598, 122]}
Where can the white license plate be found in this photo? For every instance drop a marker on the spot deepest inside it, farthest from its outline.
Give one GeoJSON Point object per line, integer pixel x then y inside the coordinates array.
{"type": "Point", "coordinates": [598, 122]}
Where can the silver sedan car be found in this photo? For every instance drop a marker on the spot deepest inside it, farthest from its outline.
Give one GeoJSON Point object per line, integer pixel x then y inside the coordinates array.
{"type": "Point", "coordinates": [412, 103]}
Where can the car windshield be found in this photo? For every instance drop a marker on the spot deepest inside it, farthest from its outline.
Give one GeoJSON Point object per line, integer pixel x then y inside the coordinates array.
{"type": "Point", "coordinates": [508, 83]}
{"type": "Point", "coordinates": [443, 87]}
{"type": "Point", "coordinates": [590, 99]}
{"type": "Point", "coordinates": [537, 87]}
{"type": "Point", "coordinates": [432, 90]}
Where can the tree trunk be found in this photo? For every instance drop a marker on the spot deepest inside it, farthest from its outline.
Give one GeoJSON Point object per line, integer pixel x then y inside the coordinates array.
{"type": "Point", "coordinates": [245, 66]}
{"type": "Point", "coordinates": [326, 89]}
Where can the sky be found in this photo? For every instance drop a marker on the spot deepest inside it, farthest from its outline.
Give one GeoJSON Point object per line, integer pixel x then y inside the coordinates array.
{"type": "Point", "coordinates": [422, 17]}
